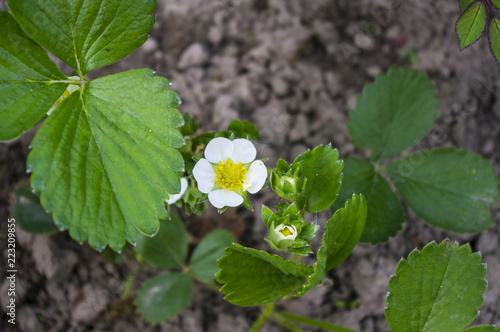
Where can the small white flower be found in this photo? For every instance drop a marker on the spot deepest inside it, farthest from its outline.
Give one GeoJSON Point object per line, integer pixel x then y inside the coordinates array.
{"type": "Point", "coordinates": [283, 232]}
{"type": "Point", "coordinates": [229, 171]}
{"type": "Point", "coordinates": [69, 90]}
{"type": "Point", "coordinates": [175, 197]}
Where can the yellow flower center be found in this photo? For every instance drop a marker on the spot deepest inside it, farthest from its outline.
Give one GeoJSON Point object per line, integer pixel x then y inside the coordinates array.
{"type": "Point", "coordinates": [230, 175]}
{"type": "Point", "coordinates": [286, 231]}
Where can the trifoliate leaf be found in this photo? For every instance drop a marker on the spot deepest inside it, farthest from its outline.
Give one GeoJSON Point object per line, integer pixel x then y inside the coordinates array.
{"type": "Point", "coordinates": [161, 297]}
{"type": "Point", "coordinates": [466, 3]}
{"type": "Point", "coordinates": [86, 34]}
{"type": "Point", "coordinates": [29, 81]}
{"type": "Point", "coordinates": [447, 188]}
{"type": "Point", "coordinates": [168, 248]}
{"type": "Point", "coordinates": [105, 160]}
{"type": "Point", "coordinates": [438, 289]}
{"type": "Point", "coordinates": [322, 172]}
{"type": "Point", "coordinates": [342, 232]}
{"type": "Point", "coordinates": [393, 113]}
{"type": "Point", "coordinates": [252, 277]}
{"type": "Point", "coordinates": [471, 23]}
{"type": "Point", "coordinates": [203, 263]}
{"type": "Point", "coordinates": [385, 216]}
{"type": "Point", "coordinates": [29, 213]}
{"type": "Point", "coordinates": [494, 37]}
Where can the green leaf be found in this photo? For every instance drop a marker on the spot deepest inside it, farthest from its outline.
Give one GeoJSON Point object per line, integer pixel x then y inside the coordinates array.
{"type": "Point", "coordinates": [494, 37]}
{"type": "Point", "coordinates": [496, 3]}
{"type": "Point", "coordinates": [448, 188]}
{"type": "Point", "coordinates": [29, 81]}
{"type": "Point", "coordinates": [203, 264]}
{"type": "Point", "coordinates": [161, 297]}
{"type": "Point", "coordinates": [385, 216]}
{"type": "Point", "coordinates": [438, 289]}
{"type": "Point", "coordinates": [252, 277]}
{"type": "Point", "coordinates": [482, 328]}
{"type": "Point", "coordinates": [29, 213]}
{"type": "Point", "coordinates": [86, 34]}
{"type": "Point", "coordinates": [342, 232]}
{"type": "Point", "coordinates": [393, 113]}
{"type": "Point", "coordinates": [466, 3]}
{"type": "Point", "coordinates": [471, 23]}
{"type": "Point", "coordinates": [323, 172]}
{"type": "Point", "coordinates": [105, 160]}
{"type": "Point", "coordinates": [168, 248]}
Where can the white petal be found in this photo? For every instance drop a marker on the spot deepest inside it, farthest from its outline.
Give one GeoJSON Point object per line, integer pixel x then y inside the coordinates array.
{"type": "Point", "coordinates": [224, 197]}
{"type": "Point", "coordinates": [184, 186]}
{"type": "Point", "coordinates": [256, 177]}
{"type": "Point", "coordinates": [244, 151]}
{"type": "Point", "coordinates": [290, 228]}
{"type": "Point", "coordinates": [204, 174]}
{"type": "Point", "coordinates": [219, 149]}
{"type": "Point", "coordinates": [174, 198]}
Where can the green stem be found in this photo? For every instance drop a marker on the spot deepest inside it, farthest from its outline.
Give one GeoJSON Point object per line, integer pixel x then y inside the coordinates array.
{"type": "Point", "coordinates": [313, 322]}
{"type": "Point", "coordinates": [130, 281]}
{"type": "Point", "coordinates": [266, 312]}
{"type": "Point", "coordinates": [284, 322]}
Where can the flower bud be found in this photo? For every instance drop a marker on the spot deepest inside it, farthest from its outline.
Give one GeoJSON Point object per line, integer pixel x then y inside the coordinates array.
{"type": "Point", "coordinates": [283, 232]}
{"type": "Point", "coordinates": [286, 181]}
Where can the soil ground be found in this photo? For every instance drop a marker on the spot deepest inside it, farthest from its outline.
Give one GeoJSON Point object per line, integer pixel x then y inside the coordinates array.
{"type": "Point", "coordinates": [294, 68]}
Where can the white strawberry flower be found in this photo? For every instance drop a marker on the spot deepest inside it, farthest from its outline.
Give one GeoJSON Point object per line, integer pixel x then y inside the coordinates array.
{"type": "Point", "coordinates": [229, 172]}
{"type": "Point", "coordinates": [283, 232]}
{"type": "Point", "coordinates": [175, 197]}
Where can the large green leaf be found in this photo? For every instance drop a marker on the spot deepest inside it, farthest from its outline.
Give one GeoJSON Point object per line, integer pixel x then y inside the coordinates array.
{"type": "Point", "coordinates": [161, 297]}
{"type": "Point", "coordinates": [438, 289]}
{"type": "Point", "coordinates": [385, 215]}
{"type": "Point", "coordinates": [203, 263]}
{"type": "Point", "coordinates": [86, 34]}
{"type": "Point", "coordinates": [494, 37]}
{"type": "Point", "coordinates": [252, 277]}
{"type": "Point", "coordinates": [393, 113]}
{"type": "Point", "coordinates": [448, 188]}
{"type": "Point", "coordinates": [29, 81]}
{"type": "Point", "coordinates": [168, 248]}
{"type": "Point", "coordinates": [342, 232]}
{"type": "Point", "coordinates": [323, 172]}
{"type": "Point", "coordinates": [105, 159]}
{"type": "Point", "coordinates": [471, 23]}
